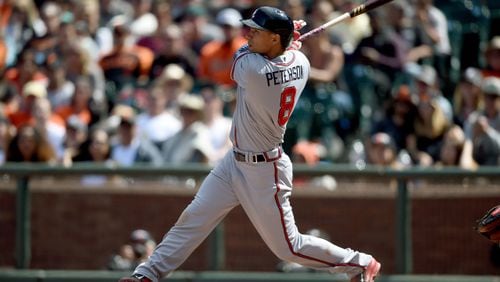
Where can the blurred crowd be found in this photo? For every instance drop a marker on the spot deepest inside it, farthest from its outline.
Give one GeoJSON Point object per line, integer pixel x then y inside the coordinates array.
{"type": "Point", "coordinates": [413, 83]}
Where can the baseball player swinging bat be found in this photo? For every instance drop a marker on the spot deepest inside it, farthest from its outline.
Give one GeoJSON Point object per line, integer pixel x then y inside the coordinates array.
{"type": "Point", "coordinates": [361, 9]}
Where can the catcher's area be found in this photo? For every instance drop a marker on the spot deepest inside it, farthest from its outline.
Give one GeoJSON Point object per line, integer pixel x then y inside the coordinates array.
{"type": "Point", "coordinates": [489, 225]}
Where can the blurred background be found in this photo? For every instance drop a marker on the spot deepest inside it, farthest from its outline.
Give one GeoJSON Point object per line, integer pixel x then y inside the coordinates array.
{"type": "Point", "coordinates": [112, 111]}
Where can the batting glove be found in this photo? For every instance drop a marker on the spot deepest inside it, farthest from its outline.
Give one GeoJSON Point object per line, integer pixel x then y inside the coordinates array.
{"type": "Point", "coordinates": [296, 44]}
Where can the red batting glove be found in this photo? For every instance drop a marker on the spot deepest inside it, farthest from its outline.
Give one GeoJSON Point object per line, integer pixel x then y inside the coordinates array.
{"type": "Point", "coordinates": [296, 44]}
{"type": "Point", "coordinates": [298, 25]}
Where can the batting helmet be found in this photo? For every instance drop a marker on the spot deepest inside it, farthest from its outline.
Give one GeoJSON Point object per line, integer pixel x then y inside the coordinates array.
{"type": "Point", "coordinates": [274, 20]}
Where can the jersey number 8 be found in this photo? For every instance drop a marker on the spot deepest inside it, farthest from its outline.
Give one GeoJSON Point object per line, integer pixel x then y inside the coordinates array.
{"type": "Point", "coordinates": [286, 105]}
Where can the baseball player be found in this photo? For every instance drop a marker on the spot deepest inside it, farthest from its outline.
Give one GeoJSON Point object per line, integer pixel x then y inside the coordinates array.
{"type": "Point", "coordinates": [270, 73]}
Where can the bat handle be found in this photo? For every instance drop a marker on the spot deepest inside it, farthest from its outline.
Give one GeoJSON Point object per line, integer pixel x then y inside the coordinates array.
{"type": "Point", "coordinates": [324, 26]}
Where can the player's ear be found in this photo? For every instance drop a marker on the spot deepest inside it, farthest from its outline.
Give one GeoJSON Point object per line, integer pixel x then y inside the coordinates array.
{"type": "Point", "coordinates": [275, 38]}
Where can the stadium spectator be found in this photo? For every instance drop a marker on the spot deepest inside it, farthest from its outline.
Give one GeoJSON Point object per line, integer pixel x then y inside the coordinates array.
{"type": "Point", "coordinates": [175, 82]}
{"type": "Point", "coordinates": [451, 150]}
{"type": "Point", "coordinates": [128, 148]}
{"type": "Point", "coordinates": [482, 128]}
{"type": "Point", "coordinates": [432, 30]}
{"type": "Point", "coordinates": [127, 65]}
{"type": "Point", "coordinates": [217, 56]}
{"type": "Point", "coordinates": [138, 247]}
{"type": "Point", "coordinates": [45, 43]}
{"type": "Point", "coordinates": [7, 132]}
{"type": "Point", "coordinates": [10, 100]}
{"type": "Point", "coordinates": [162, 13]}
{"type": "Point", "coordinates": [173, 50]}
{"type": "Point", "coordinates": [20, 22]}
{"type": "Point", "coordinates": [492, 56]}
{"type": "Point", "coordinates": [157, 123]}
{"type": "Point", "coordinates": [190, 144]}
{"type": "Point", "coordinates": [60, 88]}
{"type": "Point", "coordinates": [96, 149]}
{"type": "Point", "coordinates": [32, 91]}
{"type": "Point", "coordinates": [108, 9]}
{"type": "Point", "coordinates": [77, 63]}
{"type": "Point", "coordinates": [79, 104]}
{"type": "Point", "coordinates": [430, 126]}
{"type": "Point", "coordinates": [51, 125]}
{"type": "Point", "coordinates": [3, 53]}
{"type": "Point", "coordinates": [325, 110]}
{"type": "Point", "coordinates": [30, 145]}
{"type": "Point", "coordinates": [196, 25]}
{"type": "Point", "coordinates": [143, 21]}
{"type": "Point", "coordinates": [398, 119]}
{"type": "Point", "coordinates": [467, 97]}
{"type": "Point", "coordinates": [348, 34]}
{"type": "Point", "coordinates": [90, 13]}
{"type": "Point", "coordinates": [296, 9]}
{"type": "Point", "coordinates": [426, 82]}
{"type": "Point", "coordinates": [25, 70]}
{"type": "Point", "coordinates": [219, 126]}
{"type": "Point", "coordinates": [381, 151]}
{"type": "Point", "coordinates": [76, 134]}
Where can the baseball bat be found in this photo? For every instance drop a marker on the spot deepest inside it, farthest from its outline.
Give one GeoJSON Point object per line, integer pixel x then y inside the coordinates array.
{"type": "Point", "coordinates": [356, 11]}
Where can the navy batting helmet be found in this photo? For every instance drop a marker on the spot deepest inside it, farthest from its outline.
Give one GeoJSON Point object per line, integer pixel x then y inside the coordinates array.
{"type": "Point", "coordinates": [274, 20]}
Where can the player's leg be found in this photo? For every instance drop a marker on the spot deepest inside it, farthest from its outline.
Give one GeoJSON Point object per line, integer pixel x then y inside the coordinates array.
{"type": "Point", "coordinates": [212, 202]}
{"type": "Point", "coordinates": [266, 202]}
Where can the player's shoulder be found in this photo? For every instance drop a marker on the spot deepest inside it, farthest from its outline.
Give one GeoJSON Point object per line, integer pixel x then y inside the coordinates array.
{"type": "Point", "coordinates": [299, 56]}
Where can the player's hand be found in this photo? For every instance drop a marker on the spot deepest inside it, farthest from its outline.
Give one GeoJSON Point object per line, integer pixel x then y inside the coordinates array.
{"type": "Point", "coordinates": [297, 26]}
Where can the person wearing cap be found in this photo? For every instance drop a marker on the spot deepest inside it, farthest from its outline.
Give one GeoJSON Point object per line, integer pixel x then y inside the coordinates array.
{"type": "Point", "coordinates": [192, 143]}
{"type": "Point", "coordinates": [256, 174]}
{"type": "Point", "coordinates": [492, 56]}
{"type": "Point", "coordinates": [381, 150]}
{"type": "Point", "coordinates": [31, 91]}
{"type": "Point", "coordinates": [129, 148]}
{"type": "Point", "coordinates": [175, 82]}
{"type": "Point", "coordinates": [139, 246]}
{"type": "Point", "coordinates": [216, 56]}
{"type": "Point", "coordinates": [482, 128]}
{"type": "Point", "coordinates": [427, 82]}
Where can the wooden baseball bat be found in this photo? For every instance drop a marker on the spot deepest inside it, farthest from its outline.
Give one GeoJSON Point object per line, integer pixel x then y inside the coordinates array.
{"type": "Point", "coordinates": [363, 8]}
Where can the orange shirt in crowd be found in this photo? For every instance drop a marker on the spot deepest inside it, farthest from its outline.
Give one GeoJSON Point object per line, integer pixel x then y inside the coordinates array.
{"type": "Point", "coordinates": [20, 118]}
{"type": "Point", "coordinates": [66, 111]}
{"type": "Point", "coordinates": [216, 59]}
{"type": "Point", "coordinates": [3, 54]}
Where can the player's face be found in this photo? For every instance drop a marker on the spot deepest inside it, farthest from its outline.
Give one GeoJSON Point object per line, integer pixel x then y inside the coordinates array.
{"type": "Point", "coordinates": [261, 41]}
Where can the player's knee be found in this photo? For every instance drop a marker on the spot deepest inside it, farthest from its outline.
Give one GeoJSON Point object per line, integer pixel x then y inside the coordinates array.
{"type": "Point", "coordinates": [288, 255]}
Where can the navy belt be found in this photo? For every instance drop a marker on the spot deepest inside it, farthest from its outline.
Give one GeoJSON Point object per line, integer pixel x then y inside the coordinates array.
{"type": "Point", "coordinates": [250, 157]}
{"type": "Point", "coordinates": [254, 158]}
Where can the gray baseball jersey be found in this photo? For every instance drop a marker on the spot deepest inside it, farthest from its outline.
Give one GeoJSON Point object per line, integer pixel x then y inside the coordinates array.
{"type": "Point", "coordinates": [257, 175]}
{"type": "Point", "coordinates": [267, 93]}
